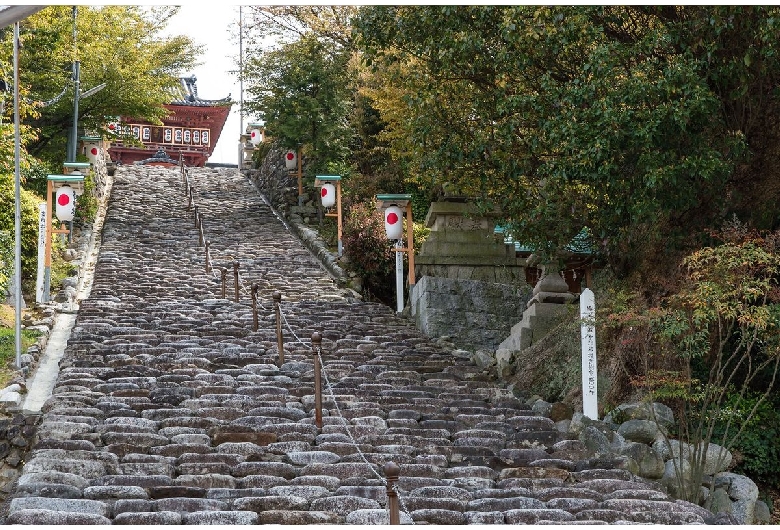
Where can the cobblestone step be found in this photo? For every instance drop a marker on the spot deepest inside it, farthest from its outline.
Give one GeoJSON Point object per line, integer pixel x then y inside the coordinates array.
{"type": "Point", "coordinates": [170, 409]}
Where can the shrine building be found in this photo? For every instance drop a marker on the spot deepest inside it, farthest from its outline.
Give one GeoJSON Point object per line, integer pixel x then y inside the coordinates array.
{"type": "Point", "coordinates": [189, 133]}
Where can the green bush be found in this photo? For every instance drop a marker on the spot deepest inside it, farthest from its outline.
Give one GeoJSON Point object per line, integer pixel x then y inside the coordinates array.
{"type": "Point", "coordinates": [29, 218]}
{"type": "Point", "coordinates": [6, 259]}
{"type": "Point", "coordinates": [368, 251]}
{"type": "Point", "coordinates": [86, 203]}
{"type": "Point", "coordinates": [757, 450]}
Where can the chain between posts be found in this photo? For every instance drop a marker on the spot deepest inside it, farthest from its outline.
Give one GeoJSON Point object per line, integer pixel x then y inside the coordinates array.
{"type": "Point", "coordinates": [391, 471]}
{"type": "Point", "coordinates": [239, 286]}
{"type": "Point", "coordinates": [319, 374]}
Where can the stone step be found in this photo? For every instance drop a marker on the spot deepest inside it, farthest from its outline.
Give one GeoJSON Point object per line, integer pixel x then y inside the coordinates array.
{"type": "Point", "coordinates": [169, 409]}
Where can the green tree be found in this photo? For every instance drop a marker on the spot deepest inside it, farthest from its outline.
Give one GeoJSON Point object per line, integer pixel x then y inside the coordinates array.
{"type": "Point", "coordinates": [288, 23]}
{"type": "Point", "coordinates": [29, 227]}
{"type": "Point", "coordinates": [301, 93]}
{"type": "Point", "coordinates": [644, 124]}
{"type": "Point", "coordinates": [115, 45]}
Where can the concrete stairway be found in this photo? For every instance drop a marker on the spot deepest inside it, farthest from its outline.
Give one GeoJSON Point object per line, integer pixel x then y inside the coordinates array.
{"type": "Point", "coordinates": [169, 409]}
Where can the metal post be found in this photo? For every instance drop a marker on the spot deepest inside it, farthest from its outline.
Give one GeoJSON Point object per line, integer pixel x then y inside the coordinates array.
{"type": "Point", "coordinates": [300, 178]}
{"type": "Point", "coordinates": [241, 88]}
{"type": "Point", "coordinates": [49, 235]}
{"type": "Point", "coordinates": [208, 262]}
{"type": "Point", "coordinates": [255, 287]}
{"type": "Point", "coordinates": [76, 97]}
{"type": "Point", "coordinates": [316, 345]}
{"type": "Point", "coordinates": [201, 236]}
{"type": "Point", "coordinates": [339, 223]}
{"type": "Point", "coordinates": [223, 270]}
{"type": "Point", "coordinates": [392, 471]}
{"type": "Point", "coordinates": [17, 209]}
{"type": "Point", "coordinates": [196, 217]}
{"type": "Point", "coordinates": [279, 336]}
{"type": "Point", "coordinates": [235, 277]}
{"type": "Point", "coordinates": [399, 276]}
{"type": "Point", "coordinates": [76, 94]}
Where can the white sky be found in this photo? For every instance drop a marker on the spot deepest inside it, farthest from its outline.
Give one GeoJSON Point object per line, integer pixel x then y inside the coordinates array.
{"type": "Point", "coordinates": [212, 27]}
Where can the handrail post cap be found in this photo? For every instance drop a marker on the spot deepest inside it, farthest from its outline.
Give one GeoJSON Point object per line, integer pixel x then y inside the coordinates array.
{"type": "Point", "coordinates": [392, 470]}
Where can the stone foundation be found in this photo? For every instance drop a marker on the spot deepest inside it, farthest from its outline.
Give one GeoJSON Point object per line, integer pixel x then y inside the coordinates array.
{"type": "Point", "coordinates": [476, 314]}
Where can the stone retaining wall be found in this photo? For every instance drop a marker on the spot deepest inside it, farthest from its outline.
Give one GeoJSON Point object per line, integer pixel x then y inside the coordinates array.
{"type": "Point", "coordinates": [475, 314]}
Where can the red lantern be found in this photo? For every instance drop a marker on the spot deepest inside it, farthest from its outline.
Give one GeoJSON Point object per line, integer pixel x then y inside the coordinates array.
{"type": "Point", "coordinates": [394, 225]}
{"type": "Point", "coordinates": [328, 194]}
{"type": "Point", "coordinates": [291, 160]}
{"type": "Point", "coordinates": [65, 200]}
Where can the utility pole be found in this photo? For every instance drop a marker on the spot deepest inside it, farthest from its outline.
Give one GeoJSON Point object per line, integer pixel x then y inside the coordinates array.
{"type": "Point", "coordinates": [76, 68]}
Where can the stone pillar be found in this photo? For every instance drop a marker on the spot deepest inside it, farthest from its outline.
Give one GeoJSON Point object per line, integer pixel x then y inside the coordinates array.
{"type": "Point", "coordinates": [544, 310]}
{"type": "Point", "coordinates": [470, 284]}
{"type": "Point", "coordinates": [462, 245]}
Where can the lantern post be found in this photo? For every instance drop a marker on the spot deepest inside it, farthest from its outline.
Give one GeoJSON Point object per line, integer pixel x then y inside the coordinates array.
{"type": "Point", "coordinates": [66, 187]}
{"type": "Point", "coordinates": [91, 147]}
{"type": "Point", "coordinates": [330, 194]}
{"type": "Point", "coordinates": [394, 206]}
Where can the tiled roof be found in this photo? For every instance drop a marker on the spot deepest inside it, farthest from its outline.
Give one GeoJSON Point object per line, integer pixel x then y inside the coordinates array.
{"type": "Point", "coordinates": [187, 94]}
{"type": "Point", "coordinates": [580, 244]}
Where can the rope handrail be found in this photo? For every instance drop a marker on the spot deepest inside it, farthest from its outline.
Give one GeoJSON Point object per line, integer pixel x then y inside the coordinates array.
{"type": "Point", "coordinates": [240, 283]}
{"type": "Point", "coordinates": [345, 423]}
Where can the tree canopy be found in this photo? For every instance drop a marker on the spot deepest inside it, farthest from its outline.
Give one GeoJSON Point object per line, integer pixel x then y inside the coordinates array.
{"type": "Point", "coordinates": [300, 88]}
{"type": "Point", "coordinates": [643, 124]}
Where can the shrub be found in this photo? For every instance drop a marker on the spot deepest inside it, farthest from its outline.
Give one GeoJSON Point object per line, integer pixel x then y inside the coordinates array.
{"type": "Point", "coordinates": [6, 259]}
{"type": "Point", "coordinates": [724, 325]}
{"type": "Point", "coordinates": [757, 452]}
{"type": "Point", "coordinates": [369, 253]}
{"type": "Point", "coordinates": [29, 211]}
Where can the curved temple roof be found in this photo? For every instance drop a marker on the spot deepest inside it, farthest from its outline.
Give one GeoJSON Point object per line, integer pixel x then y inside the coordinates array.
{"type": "Point", "coordinates": [188, 95]}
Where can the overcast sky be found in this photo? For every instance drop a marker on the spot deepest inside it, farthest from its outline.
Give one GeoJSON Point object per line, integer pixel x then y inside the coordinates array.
{"type": "Point", "coordinates": [211, 26]}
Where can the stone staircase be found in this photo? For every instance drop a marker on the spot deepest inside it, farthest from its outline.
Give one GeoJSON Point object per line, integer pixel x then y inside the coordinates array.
{"type": "Point", "coordinates": [170, 409]}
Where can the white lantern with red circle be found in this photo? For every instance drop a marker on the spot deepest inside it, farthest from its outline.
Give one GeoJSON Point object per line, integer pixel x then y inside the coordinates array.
{"type": "Point", "coordinates": [65, 203]}
{"type": "Point", "coordinates": [394, 222]}
{"type": "Point", "coordinates": [328, 195]}
{"type": "Point", "coordinates": [291, 159]}
{"type": "Point", "coordinates": [255, 136]}
{"type": "Point", "coordinates": [92, 152]}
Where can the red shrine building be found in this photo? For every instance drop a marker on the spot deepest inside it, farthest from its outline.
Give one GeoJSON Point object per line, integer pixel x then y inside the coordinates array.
{"type": "Point", "coordinates": [189, 133]}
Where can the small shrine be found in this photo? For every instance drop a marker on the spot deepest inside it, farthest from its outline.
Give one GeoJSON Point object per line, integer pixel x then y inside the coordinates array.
{"type": "Point", "coordinates": [160, 158]}
{"type": "Point", "coordinates": [189, 133]}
